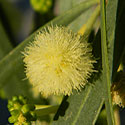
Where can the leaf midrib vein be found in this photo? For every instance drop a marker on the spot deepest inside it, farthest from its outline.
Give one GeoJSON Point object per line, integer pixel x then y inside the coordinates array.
{"type": "Point", "coordinates": [81, 106]}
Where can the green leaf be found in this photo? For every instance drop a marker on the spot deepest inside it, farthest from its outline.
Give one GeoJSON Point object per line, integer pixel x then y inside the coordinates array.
{"type": "Point", "coordinates": [12, 67]}
{"type": "Point", "coordinates": [23, 87]}
{"type": "Point", "coordinates": [105, 66]}
{"type": "Point", "coordinates": [11, 16]}
{"type": "Point", "coordinates": [73, 13]}
{"type": "Point", "coordinates": [83, 108]}
{"type": "Point", "coordinates": [5, 47]}
{"type": "Point", "coordinates": [115, 19]}
{"type": "Point", "coordinates": [111, 16]}
{"type": "Point", "coordinates": [83, 18]}
{"type": "Point", "coordinates": [65, 5]}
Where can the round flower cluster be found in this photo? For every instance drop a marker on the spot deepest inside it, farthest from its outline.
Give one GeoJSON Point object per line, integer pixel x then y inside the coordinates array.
{"type": "Point", "coordinates": [42, 6]}
{"type": "Point", "coordinates": [118, 90]}
{"type": "Point", "coordinates": [58, 61]}
{"type": "Point", "coordinates": [21, 112]}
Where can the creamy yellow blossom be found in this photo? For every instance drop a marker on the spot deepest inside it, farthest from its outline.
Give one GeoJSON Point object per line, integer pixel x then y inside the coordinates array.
{"type": "Point", "coordinates": [58, 61]}
{"type": "Point", "coordinates": [118, 90]}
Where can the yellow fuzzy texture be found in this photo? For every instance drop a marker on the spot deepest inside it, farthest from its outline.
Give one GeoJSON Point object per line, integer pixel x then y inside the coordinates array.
{"type": "Point", "coordinates": [58, 61]}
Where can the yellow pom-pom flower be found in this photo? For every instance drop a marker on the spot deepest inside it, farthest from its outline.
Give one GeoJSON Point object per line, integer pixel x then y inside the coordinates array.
{"type": "Point", "coordinates": [58, 61]}
{"type": "Point", "coordinates": [118, 90]}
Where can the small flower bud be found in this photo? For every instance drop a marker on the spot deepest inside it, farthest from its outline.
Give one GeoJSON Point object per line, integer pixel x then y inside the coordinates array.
{"type": "Point", "coordinates": [21, 112]}
{"type": "Point", "coordinates": [27, 107]}
{"type": "Point", "coordinates": [17, 123]}
{"type": "Point", "coordinates": [22, 118]}
{"type": "Point", "coordinates": [12, 119]}
{"type": "Point", "coordinates": [9, 106]}
{"type": "Point", "coordinates": [15, 98]}
{"type": "Point", "coordinates": [14, 112]}
{"type": "Point", "coordinates": [27, 123]}
{"type": "Point", "coordinates": [17, 105]}
{"type": "Point", "coordinates": [11, 109]}
{"type": "Point", "coordinates": [10, 102]}
{"type": "Point", "coordinates": [22, 99]}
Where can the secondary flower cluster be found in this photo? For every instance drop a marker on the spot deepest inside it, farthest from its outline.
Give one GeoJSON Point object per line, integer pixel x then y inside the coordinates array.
{"type": "Point", "coordinates": [21, 112]}
{"type": "Point", "coordinates": [118, 90]}
{"type": "Point", "coordinates": [41, 6]}
{"type": "Point", "coordinates": [58, 61]}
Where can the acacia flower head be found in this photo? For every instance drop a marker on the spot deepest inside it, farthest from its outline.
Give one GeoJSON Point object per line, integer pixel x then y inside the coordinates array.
{"type": "Point", "coordinates": [58, 61]}
{"type": "Point", "coordinates": [118, 90]}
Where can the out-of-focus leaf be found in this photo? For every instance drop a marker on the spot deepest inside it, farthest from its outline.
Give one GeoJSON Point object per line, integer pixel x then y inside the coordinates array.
{"type": "Point", "coordinates": [12, 67]}
{"type": "Point", "coordinates": [82, 19]}
{"type": "Point", "coordinates": [5, 45]}
{"type": "Point", "coordinates": [18, 86]}
{"type": "Point", "coordinates": [88, 26]}
{"type": "Point", "coordinates": [11, 17]}
{"type": "Point", "coordinates": [64, 5]}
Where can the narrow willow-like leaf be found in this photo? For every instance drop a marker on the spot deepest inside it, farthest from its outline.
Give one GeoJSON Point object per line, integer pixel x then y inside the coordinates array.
{"type": "Point", "coordinates": [5, 48]}
{"type": "Point", "coordinates": [105, 66]}
{"type": "Point", "coordinates": [111, 15]}
{"type": "Point", "coordinates": [115, 19]}
{"type": "Point", "coordinates": [73, 13]}
{"type": "Point", "coordinates": [83, 18]}
{"type": "Point", "coordinates": [83, 107]}
{"type": "Point", "coordinates": [76, 24]}
{"type": "Point", "coordinates": [64, 5]}
{"type": "Point", "coordinates": [89, 24]}
{"type": "Point", "coordinates": [12, 64]}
